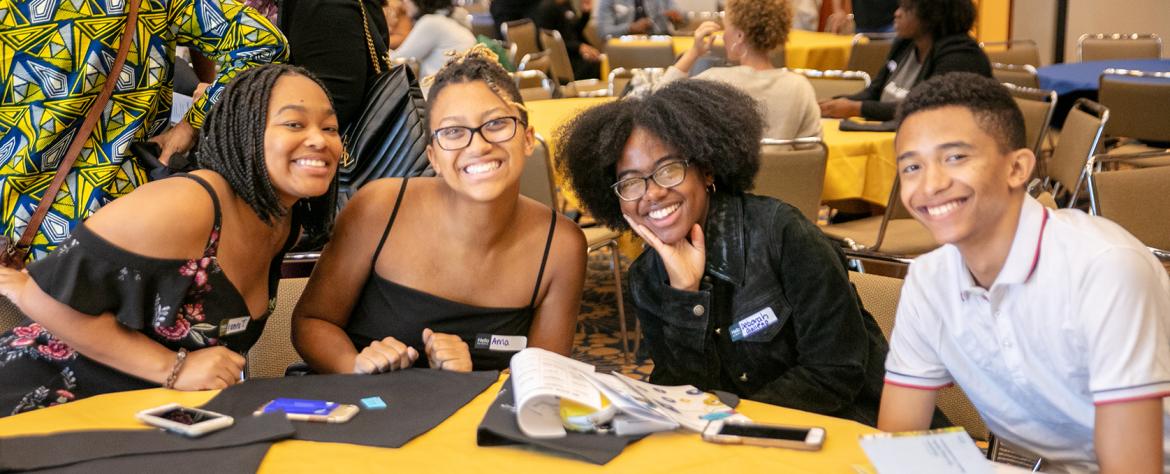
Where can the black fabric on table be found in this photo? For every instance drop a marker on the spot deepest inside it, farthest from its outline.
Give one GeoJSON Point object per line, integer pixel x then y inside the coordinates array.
{"type": "Point", "coordinates": [155, 450]}
{"type": "Point", "coordinates": [236, 459]}
{"type": "Point", "coordinates": [499, 428]}
{"type": "Point", "coordinates": [416, 401]}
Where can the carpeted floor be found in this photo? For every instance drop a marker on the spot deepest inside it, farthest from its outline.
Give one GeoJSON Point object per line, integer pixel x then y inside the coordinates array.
{"type": "Point", "coordinates": [598, 340]}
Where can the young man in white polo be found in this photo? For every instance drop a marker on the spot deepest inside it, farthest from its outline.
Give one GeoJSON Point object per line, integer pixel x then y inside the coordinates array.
{"type": "Point", "coordinates": [1056, 324]}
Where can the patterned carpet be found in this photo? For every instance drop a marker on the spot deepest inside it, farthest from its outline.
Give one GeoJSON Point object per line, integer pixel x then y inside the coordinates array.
{"type": "Point", "coordinates": [598, 340]}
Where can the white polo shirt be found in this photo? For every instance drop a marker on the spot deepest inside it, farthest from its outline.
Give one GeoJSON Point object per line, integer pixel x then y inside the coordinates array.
{"type": "Point", "coordinates": [1078, 316]}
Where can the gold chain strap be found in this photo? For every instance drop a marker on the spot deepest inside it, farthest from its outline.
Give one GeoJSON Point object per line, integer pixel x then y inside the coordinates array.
{"type": "Point", "coordinates": [369, 38]}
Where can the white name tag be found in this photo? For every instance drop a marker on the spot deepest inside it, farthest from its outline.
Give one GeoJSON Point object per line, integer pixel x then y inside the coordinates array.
{"type": "Point", "coordinates": [231, 326]}
{"type": "Point", "coordinates": [494, 342]}
{"type": "Point", "coordinates": [755, 323]}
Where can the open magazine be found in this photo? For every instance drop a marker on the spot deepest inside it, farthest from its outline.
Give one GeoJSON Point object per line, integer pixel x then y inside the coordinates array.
{"type": "Point", "coordinates": [542, 379]}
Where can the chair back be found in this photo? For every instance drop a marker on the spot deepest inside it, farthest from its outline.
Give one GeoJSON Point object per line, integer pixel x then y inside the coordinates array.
{"type": "Point", "coordinates": [1106, 46]}
{"type": "Point", "coordinates": [793, 171]}
{"type": "Point", "coordinates": [869, 52]}
{"type": "Point", "coordinates": [1017, 52]}
{"type": "Point", "coordinates": [830, 84]}
{"type": "Point", "coordinates": [1023, 75]}
{"type": "Point", "coordinates": [894, 210]}
{"type": "Point", "coordinates": [534, 85]}
{"type": "Point", "coordinates": [1078, 141]}
{"type": "Point", "coordinates": [592, 36]}
{"type": "Point", "coordinates": [880, 295]}
{"type": "Point", "coordinates": [274, 352]}
{"type": "Point", "coordinates": [9, 315]}
{"type": "Point", "coordinates": [1037, 105]}
{"type": "Point", "coordinates": [536, 180]}
{"type": "Point", "coordinates": [522, 33]}
{"type": "Point", "coordinates": [618, 79]}
{"type": "Point", "coordinates": [639, 53]}
{"type": "Point", "coordinates": [1138, 103]}
{"type": "Point", "coordinates": [558, 55]}
{"type": "Point", "coordinates": [1134, 195]}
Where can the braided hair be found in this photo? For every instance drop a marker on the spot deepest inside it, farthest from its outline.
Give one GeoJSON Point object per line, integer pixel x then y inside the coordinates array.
{"type": "Point", "coordinates": [232, 142]}
{"type": "Point", "coordinates": [477, 64]}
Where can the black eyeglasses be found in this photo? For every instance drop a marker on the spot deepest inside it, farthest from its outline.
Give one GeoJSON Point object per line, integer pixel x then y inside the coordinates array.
{"type": "Point", "coordinates": [668, 175]}
{"type": "Point", "coordinates": [494, 131]}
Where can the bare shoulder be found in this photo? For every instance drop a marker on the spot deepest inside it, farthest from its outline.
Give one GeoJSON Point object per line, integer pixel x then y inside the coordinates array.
{"type": "Point", "coordinates": [568, 241]}
{"type": "Point", "coordinates": [169, 218]}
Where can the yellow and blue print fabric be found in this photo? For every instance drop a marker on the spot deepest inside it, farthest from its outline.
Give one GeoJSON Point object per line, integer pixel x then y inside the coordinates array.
{"type": "Point", "coordinates": [55, 57]}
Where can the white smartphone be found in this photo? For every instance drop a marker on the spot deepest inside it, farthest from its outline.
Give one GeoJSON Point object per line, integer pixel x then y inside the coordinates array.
{"type": "Point", "coordinates": [793, 437]}
{"type": "Point", "coordinates": [192, 422]}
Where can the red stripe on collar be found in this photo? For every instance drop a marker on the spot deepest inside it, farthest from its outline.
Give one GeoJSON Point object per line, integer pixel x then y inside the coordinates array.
{"type": "Point", "coordinates": [1036, 257]}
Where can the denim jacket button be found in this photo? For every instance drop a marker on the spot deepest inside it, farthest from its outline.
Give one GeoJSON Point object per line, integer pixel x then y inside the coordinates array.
{"type": "Point", "coordinates": [698, 310]}
{"type": "Point", "coordinates": [718, 331]}
{"type": "Point", "coordinates": [743, 377]}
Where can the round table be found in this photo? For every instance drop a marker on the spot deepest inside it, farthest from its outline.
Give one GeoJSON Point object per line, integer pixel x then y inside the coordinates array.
{"type": "Point", "coordinates": [1072, 77]}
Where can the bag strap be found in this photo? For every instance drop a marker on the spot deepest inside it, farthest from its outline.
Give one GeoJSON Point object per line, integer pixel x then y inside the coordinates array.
{"type": "Point", "coordinates": [370, 39]}
{"type": "Point", "coordinates": [18, 252]}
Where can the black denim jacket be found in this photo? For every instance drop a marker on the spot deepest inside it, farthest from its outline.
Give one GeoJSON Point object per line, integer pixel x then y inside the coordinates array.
{"type": "Point", "coordinates": [824, 354]}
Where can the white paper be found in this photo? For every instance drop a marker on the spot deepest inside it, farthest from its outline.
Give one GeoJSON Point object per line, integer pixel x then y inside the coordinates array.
{"type": "Point", "coordinates": [944, 451]}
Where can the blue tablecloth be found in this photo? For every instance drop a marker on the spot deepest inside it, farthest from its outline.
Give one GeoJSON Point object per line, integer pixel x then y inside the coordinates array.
{"type": "Point", "coordinates": [1071, 77]}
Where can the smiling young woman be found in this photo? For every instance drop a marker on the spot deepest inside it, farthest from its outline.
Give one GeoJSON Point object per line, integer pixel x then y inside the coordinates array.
{"type": "Point", "coordinates": [171, 283]}
{"type": "Point", "coordinates": [418, 268]}
{"type": "Point", "coordinates": [736, 292]}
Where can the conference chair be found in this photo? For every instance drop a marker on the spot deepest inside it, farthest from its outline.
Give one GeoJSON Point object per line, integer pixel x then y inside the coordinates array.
{"type": "Point", "coordinates": [1079, 139]}
{"type": "Point", "coordinates": [538, 183]}
{"type": "Point", "coordinates": [639, 52]}
{"type": "Point", "coordinates": [534, 85]}
{"type": "Point", "coordinates": [274, 352]}
{"type": "Point", "coordinates": [617, 81]}
{"type": "Point", "coordinates": [1018, 52]}
{"type": "Point", "coordinates": [830, 84]}
{"type": "Point", "coordinates": [1037, 105]}
{"type": "Point", "coordinates": [793, 171]}
{"type": "Point", "coordinates": [1106, 46]}
{"type": "Point", "coordinates": [869, 52]}
{"type": "Point", "coordinates": [1138, 105]}
{"type": "Point", "coordinates": [562, 68]}
{"type": "Point", "coordinates": [1023, 75]}
{"type": "Point", "coordinates": [894, 233]}
{"type": "Point", "coordinates": [522, 33]}
{"type": "Point", "coordinates": [592, 36]}
{"type": "Point", "coordinates": [1130, 189]}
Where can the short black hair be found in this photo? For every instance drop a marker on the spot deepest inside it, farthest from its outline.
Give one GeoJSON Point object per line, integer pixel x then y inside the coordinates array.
{"type": "Point", "coordinates": [232, 143]}
{"type": "Point", "coordinates": [942, 18]}
{"type": "Point", "coordinates": [713, 125]}
{"type": "Point", "coordinates": [427, 7]}
{"type": "Point", "coordinates": [989, 101]}
{"type": "Point", "coordinates": [477, 64]}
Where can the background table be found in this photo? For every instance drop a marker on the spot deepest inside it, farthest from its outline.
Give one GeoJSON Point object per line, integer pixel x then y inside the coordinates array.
{"type": "Point", "coordinates": [804, 49]}
{"type": "Point", "coordinates": [451, 447]}
{"type": "Point", "coordinates": [860, 166]}
{"type": "Point", "coordinates": [1071, 77]}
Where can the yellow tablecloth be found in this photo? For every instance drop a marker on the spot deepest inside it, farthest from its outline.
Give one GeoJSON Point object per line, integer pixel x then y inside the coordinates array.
{"type": "Point", "coordinates": [451, 447]}
{"type": "Point", "coordinates": [861, 164]}
{"type": "Point", "coordinates": [805, 50]}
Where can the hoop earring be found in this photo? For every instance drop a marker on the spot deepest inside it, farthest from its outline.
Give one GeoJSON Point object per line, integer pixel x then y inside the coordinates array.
{"type": "Point", "coordinates": [711, 188]}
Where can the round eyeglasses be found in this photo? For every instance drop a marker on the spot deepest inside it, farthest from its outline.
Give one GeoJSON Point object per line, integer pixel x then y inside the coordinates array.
{"type": "Point", "coordinates": [668, 175]}
{"type": "Point", "coordinates": [496, 130]}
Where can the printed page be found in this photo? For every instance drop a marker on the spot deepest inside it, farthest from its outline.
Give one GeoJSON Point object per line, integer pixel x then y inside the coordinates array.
{"type": "Point", "coordinates": [686, 405]}
{"type": "Point", "coordinates": [541, 378]}
{"type": "Point", "coordinates": [637, 415]}
{"type": "Point", "coordinates": [945, 451]}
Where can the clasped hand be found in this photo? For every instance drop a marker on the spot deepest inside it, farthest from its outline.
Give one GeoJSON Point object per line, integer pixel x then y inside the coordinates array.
{"type": "Point", "coordinates": [444, 352]}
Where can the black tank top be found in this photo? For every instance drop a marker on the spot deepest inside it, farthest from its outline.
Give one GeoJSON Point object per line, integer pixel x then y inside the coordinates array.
{"type": "Point", "coordinates": [386, 308]}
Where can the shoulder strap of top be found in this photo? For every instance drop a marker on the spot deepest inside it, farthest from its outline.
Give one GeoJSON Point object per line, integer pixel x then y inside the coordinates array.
{"type": "Point", "coordinates": [213, 239]}
{"type": "Point", "coordinates": [390, 223]}
{"type": "Point", "coordinates": [552, 226]}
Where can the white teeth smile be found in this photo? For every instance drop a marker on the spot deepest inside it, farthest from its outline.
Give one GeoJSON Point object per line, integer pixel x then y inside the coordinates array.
{"type": "Point", "coordinates": [308, 163]}
{"type": "Point", "coordinates": [479, 168]}
{"type": "Point", "coordinates": [944, 209]}
{"type": "Point", "coordinates": [659, 214]}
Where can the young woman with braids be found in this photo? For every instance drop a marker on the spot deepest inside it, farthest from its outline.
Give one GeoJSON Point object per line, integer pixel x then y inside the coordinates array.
{"type": "Point", "coordinates": [429, 271]}
{"type": "Point", "coordinates": [170, 284]}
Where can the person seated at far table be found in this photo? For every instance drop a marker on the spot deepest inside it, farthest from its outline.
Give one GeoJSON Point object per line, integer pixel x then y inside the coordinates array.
{"type": "Point", "coordinates": [751, 29]}
{"type": "Point", "coordinates": [171, 283]}
{"type": "Point", "coordinates": [559, 15]}
{"type": "Point", "coordinates": [434, 34]}
{"type": "Point", "coordinates": [418, 269]}
{"type": "Point", "coordinates": [932, 40]}
{"type": "Point", "coordinates": [1055, 323]}
{"type": "Point", "coordinates": [636, 17]}
{"type": "Point", "coordinates": [736, 292]}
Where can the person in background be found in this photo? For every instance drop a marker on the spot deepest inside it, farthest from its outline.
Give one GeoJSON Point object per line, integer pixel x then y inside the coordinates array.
{"type": "Point", "coordinates": [1055, 324]}
{"type": "Point", "coordinates": [419, 269]}
{"type": "Point", "coordinates": [636, 17]}
{"type": "Point", "coordinates": [753, 28]}
{"type": "Point", "coordinates": [141, 295]}
{"type": "Point", "coordinates": [398, 22]}
{"type": "Point", "coordinates": [806, 14]}
{"type": "Point", "coordinates": [736, 292]}
{"type": "Point", "coordinates": [933, 39]}
{"type": "Point", "coordinates": [38, 82]}
{"type": "Point", "coordinates": [504, 11]}
{"type": "Point", "coordinates": [559, 15]}
{"type": "Point", "coordinates": [869, 16]}
{"type": "Point", "coordinates": [434, 36]}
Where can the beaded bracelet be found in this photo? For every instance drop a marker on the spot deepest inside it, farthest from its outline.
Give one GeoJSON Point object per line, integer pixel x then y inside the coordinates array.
{"type": "Point", "coordinates": [179, 359]}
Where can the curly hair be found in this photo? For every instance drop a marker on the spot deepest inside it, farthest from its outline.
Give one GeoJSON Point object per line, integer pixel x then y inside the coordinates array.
{"type": "Point", "coordinates": [942, 18]}
{"type": "Point", "coordinates": [765, 23]}
{"type": "Point", "coordinates": [477, 64]}
{"type": "Point", "coordinates": [232, 144]}
{"type": "Point", "coordinates": [713, 125]}
{"type": "Point", "coordinates": [989, 101]}
{"type": "Point", "coordinates": [427, 7]}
